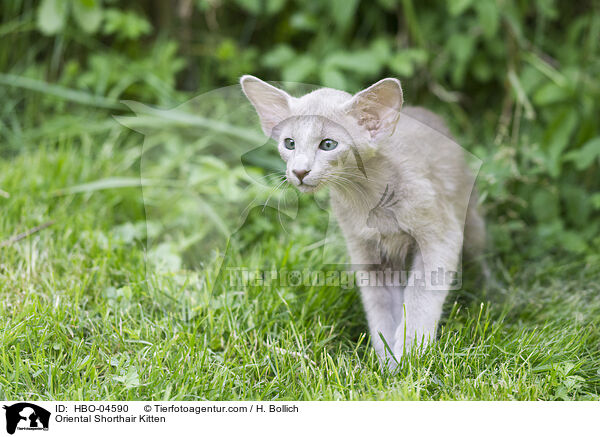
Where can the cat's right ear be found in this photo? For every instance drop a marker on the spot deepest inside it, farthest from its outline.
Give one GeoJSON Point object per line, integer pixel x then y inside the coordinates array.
{"type": "Point", "coordinates": [377, 108]}
{"type": "Point", "coordinates": [271, 104]}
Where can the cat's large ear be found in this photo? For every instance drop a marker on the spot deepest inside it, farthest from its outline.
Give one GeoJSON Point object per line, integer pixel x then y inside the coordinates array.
{"type": "Point", "coordinates": [377, 108]}
{"type": "Point", "coordinates": [271, 104]}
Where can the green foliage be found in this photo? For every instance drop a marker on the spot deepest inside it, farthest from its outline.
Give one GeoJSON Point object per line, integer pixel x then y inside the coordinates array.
{"type": "Point", "coordinates": [88, 16]}
{"type": "Point", "coordinates": [516, 80]}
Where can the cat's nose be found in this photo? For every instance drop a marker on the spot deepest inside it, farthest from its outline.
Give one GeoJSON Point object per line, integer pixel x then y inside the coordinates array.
{"type": "Point", "coordinates": [300, 174]}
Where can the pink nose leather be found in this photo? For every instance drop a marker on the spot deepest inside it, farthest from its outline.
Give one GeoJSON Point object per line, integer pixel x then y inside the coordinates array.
{"type": "Point", "coordinates": [300, 174]}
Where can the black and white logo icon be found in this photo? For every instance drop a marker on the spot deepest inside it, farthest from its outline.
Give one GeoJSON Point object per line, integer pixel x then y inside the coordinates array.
{"type": "Point", "coordinates": [26, 416]}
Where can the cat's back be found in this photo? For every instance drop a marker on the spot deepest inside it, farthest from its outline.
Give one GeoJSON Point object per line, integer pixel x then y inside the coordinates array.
{"type": "Point", "coordinates": [427, 118]}
{"type": "Point", "coordinates": [425, 154]}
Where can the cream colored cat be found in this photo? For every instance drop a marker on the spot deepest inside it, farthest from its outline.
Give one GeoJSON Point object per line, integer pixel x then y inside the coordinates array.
{"type": "Point", "coordinates": [400, 190]}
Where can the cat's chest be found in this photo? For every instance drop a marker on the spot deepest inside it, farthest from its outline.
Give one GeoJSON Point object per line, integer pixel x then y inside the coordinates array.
{"type": "Point", "coordinates": [385, 225]}
{"type": "Point", "coordinates": [395, 248]}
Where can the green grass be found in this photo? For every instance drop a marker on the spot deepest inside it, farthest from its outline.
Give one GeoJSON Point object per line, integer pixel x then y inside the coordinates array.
{"type": "Point", "coordinates": [81, 319]}
{"type": "Point", "coordinates": [87, 313]}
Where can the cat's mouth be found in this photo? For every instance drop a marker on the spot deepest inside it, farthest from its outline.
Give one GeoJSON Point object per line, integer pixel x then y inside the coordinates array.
{"type": "Point", "coordinates": [307, 188]}
{"type": "Point", "coordinates": [302, 186]}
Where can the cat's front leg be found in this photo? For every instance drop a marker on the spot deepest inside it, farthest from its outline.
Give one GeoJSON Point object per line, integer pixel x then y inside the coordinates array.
{"type": "Point", "coordinates": [379, 303]}
{"type": "Point", "coordinates": [422, 311]}
{"type": "Point", "coordinates": [379, 299]}
{"type": "Point", "coordinates": [424, 295]}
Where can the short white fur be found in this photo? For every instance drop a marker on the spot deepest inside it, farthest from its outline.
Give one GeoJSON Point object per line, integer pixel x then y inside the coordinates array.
{"type": "Point", "coordinates": [382, 149]}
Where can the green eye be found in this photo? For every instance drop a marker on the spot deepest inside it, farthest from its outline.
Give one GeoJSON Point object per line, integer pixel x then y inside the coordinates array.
{"type": "Point", "coordinates": [289, 144]}
{"type": "Point", "coordinates": [328, 144]}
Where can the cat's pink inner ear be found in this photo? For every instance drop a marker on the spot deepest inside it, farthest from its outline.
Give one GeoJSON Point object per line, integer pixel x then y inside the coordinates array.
{"type": "Point", "coordinates": [377, 108]}
{"type": "Point", "coordinates": [272, 104]}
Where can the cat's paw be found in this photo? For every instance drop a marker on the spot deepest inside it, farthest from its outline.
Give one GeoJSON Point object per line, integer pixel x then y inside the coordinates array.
{"type": "Point", "coordinates": [402, 344]}
{"type": "Point", "coordinates": [401, 348]}
{"type": "Point", "coordinates": [390, 363]}
{"type": "Point", "coordinates": [406, 344]}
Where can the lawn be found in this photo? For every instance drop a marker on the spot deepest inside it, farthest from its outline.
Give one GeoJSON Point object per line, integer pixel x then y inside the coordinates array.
{"type": "Point", "coordinates": [82, 319]}
{"type": "Point", "coordinates": [128, 156]}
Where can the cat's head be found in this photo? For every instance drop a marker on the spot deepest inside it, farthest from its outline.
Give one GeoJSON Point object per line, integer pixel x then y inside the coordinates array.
{"type": "Point", "coordinates": [324, 136]}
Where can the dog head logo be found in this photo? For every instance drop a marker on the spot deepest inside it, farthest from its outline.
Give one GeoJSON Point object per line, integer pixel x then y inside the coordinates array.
{"type": "Point", "coordinates": [210, 180]}
{"type": "Point", "coordinates": [26, 416]}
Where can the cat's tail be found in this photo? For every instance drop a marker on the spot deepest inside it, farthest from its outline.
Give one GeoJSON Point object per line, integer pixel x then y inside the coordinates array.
{"type": "Point", "coordinates": [475, 237]}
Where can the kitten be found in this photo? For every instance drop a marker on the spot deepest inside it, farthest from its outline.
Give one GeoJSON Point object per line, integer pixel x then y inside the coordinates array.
{"type": "Point", "coordinates": [400, 190]}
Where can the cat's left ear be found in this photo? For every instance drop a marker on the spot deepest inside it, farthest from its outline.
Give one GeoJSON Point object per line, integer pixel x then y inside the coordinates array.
{"type": "Point", "coordinates": [271, 104]}
{"type": "Point", "coordinates": [377, 108]}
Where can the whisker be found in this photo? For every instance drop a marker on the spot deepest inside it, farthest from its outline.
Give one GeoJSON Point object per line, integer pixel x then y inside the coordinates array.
{"type": "Point", "coordinates": [345, 184]}
{"type": "Point", "coordinates": [253, 201]}
{"type": "Point", "coordinates": [276, 176]}
{"type": "Point", "coordinates": [273, 191]}
{"type": "Point", "coordinates": [279, 211]}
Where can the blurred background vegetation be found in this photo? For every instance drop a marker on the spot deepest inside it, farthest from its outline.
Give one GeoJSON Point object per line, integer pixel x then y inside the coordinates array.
{"type": "Point", "coordinates": [517, 80]}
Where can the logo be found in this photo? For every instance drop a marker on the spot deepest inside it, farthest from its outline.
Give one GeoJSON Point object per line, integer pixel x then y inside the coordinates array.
{"type": "Point", "coordinates": [26, 416]}
{"type": "Point", "coordinates": [232, 184]}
